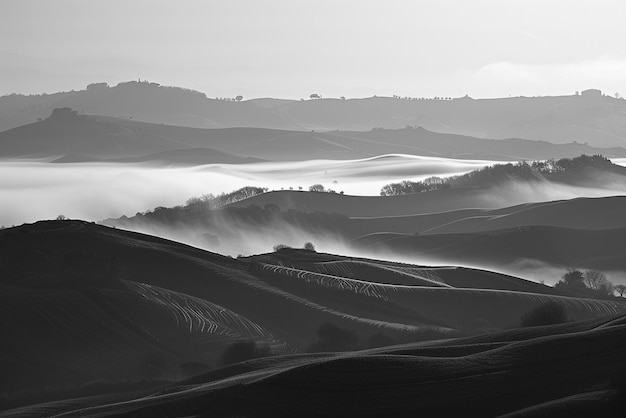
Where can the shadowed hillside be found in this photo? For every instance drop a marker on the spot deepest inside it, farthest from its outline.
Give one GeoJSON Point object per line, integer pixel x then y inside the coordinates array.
{"type": "Point", "coordinates": [580, 364]}
{"type": "Point", "coordinates": [595, 249]}
{"type": "Point", "coordinates": [162, 310]}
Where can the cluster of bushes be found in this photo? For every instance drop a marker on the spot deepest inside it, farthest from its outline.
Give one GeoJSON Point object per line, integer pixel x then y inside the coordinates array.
{"type": "Point", "coordinates": [320, 188]}
{"type": "Point", "coordinates": [410, 187]}
{"type": "Point", "coordinates": [589, 283]}
{"type": "Point", "coordinates": [307, 246]}
{"type": "Point", "coordinates": [209, 201]}
{"type": "Point", "coordinates": [496, 173]}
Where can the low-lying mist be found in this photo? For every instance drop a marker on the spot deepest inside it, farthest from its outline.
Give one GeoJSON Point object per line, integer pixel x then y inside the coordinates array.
{"type": "Point", "coordinates": [34, 190]}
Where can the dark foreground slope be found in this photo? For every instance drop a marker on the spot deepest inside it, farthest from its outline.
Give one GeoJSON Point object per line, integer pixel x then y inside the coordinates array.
{"type": "Point", "coordinates": [89, 310]}
{"type": "Point", "coordinates": [573, 370]}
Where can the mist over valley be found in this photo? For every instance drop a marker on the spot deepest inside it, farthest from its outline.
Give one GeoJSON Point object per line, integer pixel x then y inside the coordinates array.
{"type": "Point", "coordinates": [288, 209]}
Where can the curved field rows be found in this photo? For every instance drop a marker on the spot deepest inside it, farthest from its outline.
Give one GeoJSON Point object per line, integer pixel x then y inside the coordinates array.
{"type": "Point", "coordinates": [198, 315]}
{"type": "Point", "coordinates": [498, 308]}
{"type": "Point", "coordinates": [403, 275]}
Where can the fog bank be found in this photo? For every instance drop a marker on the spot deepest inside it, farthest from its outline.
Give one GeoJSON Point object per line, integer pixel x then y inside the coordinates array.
{"type": "Point", "coordinates": [34, 190]}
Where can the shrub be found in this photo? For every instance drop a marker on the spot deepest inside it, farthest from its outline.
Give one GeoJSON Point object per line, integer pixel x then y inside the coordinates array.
{"type": "Point", "coordinates": [334, 338]}
{"type": "Point", "coordinates": [549, 313]}
{"type": "Point", "coordinates": [242, 351]}
{"type": "Point", "coordinates": [279, 247]}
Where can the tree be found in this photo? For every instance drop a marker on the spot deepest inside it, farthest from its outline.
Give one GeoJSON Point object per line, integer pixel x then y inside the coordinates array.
{"type": "Point", "coordinates": [315, 96]}
{"type": "Point", "coordinates": [316, 188]}
{"type": "Point", "coordinates": [309, 246]}
{"type": "Point", "coordinates": [279, 247]}
{"type": "Point", "coordinates": [573, 279]}
{"type": "Point", "coordinates": [620, 289]}
{"type": "Point", "coordinates": [61, 218]}
{"type": "Point", "coordinates": [239, 98]}
{"type": "Point", "coordinates": [598, 282]}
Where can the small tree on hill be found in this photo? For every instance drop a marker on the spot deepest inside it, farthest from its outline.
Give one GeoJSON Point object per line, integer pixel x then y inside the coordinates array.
{"type": "Point", "coordinates": [573, 279]}
{"type": "Point", "coordinates": [317, 188]}
{"type": "Point", "coordinates": [239, 98]}
{"type": "Point", "coordinates": [598, 282]}
{"type": "Point", "coordinates": [309, 246]}
{"type": "Point", "coordinates": [620, 289]}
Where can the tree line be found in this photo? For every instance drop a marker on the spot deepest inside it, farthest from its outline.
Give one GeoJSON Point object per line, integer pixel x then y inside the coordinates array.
{"type": "Point", "coordinates": [495, 173]}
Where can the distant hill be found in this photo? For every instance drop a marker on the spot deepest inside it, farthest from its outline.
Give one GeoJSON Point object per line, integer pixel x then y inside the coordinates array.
{"type": "Point", "coordinates": [89, 310]}
{"type": "Point", "coordinates": [501, 249]}
{"type": "Point", "coordinates": [178, 157]}
{"type": "Point", "coordinates": [580, 213]}
{"type": "Point", "coordinates": [584, 170]}
{"type": "Point", "coordinates": [595, 119]}
{"type": "Point", "coordinates": [90, 137]}
{"type": "Point", "coordinates": [584, 232]}
{"type": "Point", "coordinates": [79, 138]}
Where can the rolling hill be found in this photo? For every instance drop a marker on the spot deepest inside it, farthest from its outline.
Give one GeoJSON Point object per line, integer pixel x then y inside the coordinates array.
{"type": "Point", "coordinates": [83, 137]}
{"type": "Point", "coordinates": [589, 118]}
{"type": "Point", "coordinates": [89, 310]}
{"type": "Point", "coordinates": [564, 370]}
{"type": "Point", "coordinates": [579, 213]}
{"type": "Point", "coordinates": [592, 249]}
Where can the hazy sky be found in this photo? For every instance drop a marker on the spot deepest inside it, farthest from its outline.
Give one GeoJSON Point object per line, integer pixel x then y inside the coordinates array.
{"type": "Point", "coordinates": [290, 48]}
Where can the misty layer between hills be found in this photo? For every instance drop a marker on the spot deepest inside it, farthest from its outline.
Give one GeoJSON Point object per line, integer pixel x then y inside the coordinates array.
{"type": "Point", "coordinates": [434, 227]}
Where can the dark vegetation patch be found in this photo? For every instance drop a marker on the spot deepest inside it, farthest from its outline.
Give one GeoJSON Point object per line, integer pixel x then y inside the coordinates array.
{"type": "Point", "coordinates": [491, 175]}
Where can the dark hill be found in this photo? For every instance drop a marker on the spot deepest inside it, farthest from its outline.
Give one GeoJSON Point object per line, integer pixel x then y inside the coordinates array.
{"type": "Point", "coordinates": [87, 310]}
{"type": "Point", "coordinates": [575, 370]}
{"type": "Point", "coordinates": [592, 249]}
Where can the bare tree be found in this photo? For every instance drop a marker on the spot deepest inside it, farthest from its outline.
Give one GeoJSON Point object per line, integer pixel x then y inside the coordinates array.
{"type": "Point", "coordinates": [597, 281]}
{"type": "Point", "coordinates": [620, 289]}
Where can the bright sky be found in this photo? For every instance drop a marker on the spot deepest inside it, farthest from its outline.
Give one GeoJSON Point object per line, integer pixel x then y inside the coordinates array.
{"type": "Point", "coordinates": [290, 48]}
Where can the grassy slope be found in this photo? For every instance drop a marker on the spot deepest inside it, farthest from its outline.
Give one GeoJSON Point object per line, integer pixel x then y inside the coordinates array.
{"type": "Point", "coordinates": [581, 213]}
{"type": "Point", "coordinates": [568, 370]}
{"type": "Point", "coordinates": [165, 305]}
{"type": "Point", "coordinates": [594, 249]}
